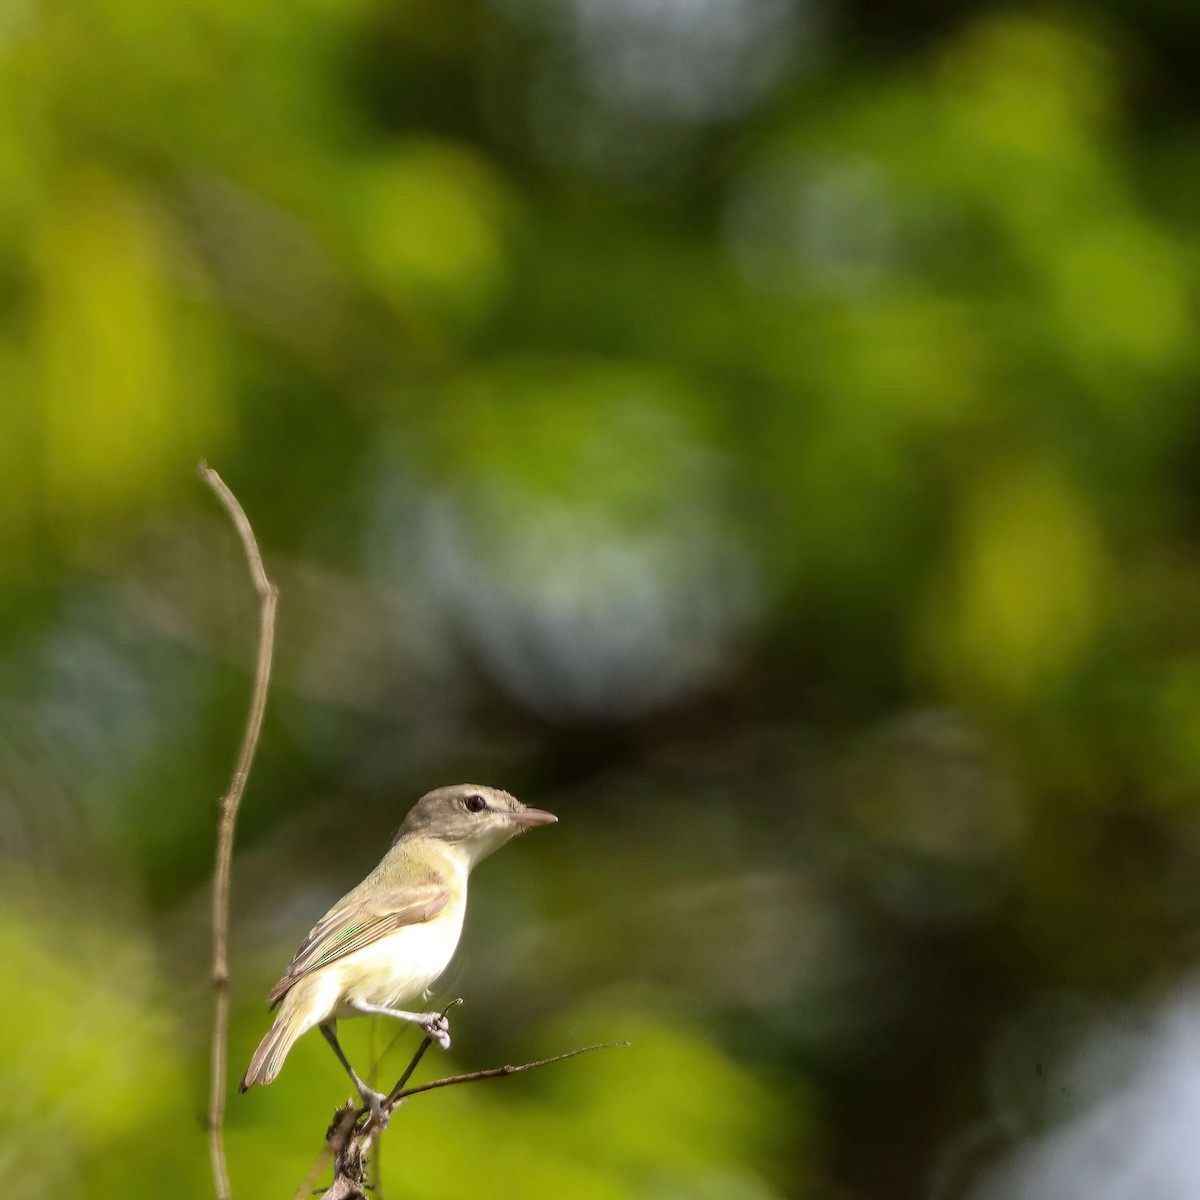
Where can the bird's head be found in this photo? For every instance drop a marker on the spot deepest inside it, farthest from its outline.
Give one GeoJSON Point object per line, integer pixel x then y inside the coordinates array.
{"type": "Point", "coordinates": [471, 818]}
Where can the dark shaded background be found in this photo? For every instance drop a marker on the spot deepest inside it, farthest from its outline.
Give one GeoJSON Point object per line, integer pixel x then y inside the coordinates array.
{"type": "Point", "coordinates": [764, 433]}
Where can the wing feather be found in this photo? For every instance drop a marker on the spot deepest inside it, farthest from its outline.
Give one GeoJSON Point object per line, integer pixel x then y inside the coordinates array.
{"type": "Point", "coordinates": [355, 923]}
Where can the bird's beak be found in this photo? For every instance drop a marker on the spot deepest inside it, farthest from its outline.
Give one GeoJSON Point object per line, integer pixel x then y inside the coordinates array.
{"type": "Point", "coordinates": [527, 818]}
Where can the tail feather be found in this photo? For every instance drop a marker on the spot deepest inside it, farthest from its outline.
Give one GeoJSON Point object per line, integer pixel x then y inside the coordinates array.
{"type": "Point", "coordinates": [273, 1049]}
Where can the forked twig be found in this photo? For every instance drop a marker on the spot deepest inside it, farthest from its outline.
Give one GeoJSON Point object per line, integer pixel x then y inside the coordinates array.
{"type": "Point", "coordinates": [268, 595]}
{"type": "Point", "coordinates": [354, 1131]}
{"type": "Point", "coordinates": [393, 1097]}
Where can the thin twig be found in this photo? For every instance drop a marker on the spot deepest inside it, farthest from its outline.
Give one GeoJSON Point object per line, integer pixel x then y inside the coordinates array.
{"type": "Point", "coordinates": [351, 1142]}
{"type": "Point", "coordinates": [393, 1095]}
{"type": "Point", "coordinates": [307, 1184]}
{"type": "Point", "coordinates": [499, 1072]}
{"type": "Point", "coordinates": [375, 1168]}
{"type": "Point", "coordinates": [337, 1137]}
{"type": "Point", "coordinates": [268, 595]}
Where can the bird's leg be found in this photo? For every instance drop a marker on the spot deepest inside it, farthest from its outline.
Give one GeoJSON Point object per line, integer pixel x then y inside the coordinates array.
{"type": "Point", "coordinates": [436, 1027]}
{"type": "Point", "coordinates": [371, 1098]}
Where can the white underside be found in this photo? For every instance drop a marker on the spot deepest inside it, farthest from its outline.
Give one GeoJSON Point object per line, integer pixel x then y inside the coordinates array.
{"type": "Point", "coordinates": [390, 973]}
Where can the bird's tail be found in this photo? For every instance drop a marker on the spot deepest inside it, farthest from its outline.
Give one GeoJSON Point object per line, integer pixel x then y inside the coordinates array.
{"type": "Point", "coordinates": [273, 1049]}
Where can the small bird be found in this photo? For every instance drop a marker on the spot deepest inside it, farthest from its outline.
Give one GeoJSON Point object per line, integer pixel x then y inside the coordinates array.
{"type": "Point", "coordinates": [384, 943]}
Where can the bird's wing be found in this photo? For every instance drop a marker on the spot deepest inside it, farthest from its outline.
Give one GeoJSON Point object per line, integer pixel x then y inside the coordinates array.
{"type": "Point", "coordinates": [357, 923]}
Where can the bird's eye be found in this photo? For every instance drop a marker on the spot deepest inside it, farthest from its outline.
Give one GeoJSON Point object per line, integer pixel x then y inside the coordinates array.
{"type": "Point", "coordinates": [475, 803]}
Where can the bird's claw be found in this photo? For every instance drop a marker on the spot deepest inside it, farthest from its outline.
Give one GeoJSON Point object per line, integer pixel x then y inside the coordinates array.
{"type": "Point", "coordinates": [437, 1029]}
{"type": "Point", "coordinates": [374, 1101]}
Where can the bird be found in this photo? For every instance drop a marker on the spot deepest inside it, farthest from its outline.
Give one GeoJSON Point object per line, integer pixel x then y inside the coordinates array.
{"type": "Point", "coordinates": [385, 943]}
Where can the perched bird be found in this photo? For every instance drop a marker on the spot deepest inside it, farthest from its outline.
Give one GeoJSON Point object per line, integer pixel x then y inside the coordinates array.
{"type": "Point", "coordinates": [384, 943]}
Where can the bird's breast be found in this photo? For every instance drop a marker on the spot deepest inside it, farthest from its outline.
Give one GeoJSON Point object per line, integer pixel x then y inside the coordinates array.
{"type": "Point", "coordinates": [399, 967]}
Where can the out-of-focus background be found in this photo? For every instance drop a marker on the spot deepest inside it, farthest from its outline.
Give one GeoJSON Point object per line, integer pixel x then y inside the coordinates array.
{"type": "Point", "coordinates": [764, 432]}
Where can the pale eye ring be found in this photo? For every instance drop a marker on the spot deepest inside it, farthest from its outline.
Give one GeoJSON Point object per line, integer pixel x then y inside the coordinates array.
{"type": "Point", "coordinates": [475, 803]}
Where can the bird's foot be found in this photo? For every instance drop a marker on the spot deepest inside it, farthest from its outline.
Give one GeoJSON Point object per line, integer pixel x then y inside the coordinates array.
{"type": "Point", "coordinates": [374, 1101]}
{"type": "Point", "coordinates": [437, 1029]}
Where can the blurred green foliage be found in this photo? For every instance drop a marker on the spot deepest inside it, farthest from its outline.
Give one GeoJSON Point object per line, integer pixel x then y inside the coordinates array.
{"type": "Point", "coordinates": [761, 431]}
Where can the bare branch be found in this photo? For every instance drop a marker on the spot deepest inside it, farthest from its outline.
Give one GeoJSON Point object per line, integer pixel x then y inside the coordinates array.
{"type": "Point", "coordinates": [337, 1137]}
{"type": "Point", "coordinates": [268, 595]}
{"type": "Point", "coordinates": [500, 1072]}
{"type": "Point", "coordinates": [308, 1183]}
{"type": "Point", "coordinates": [393, 1095]}
{"type": "Point", "coordinates": [350, 1141]}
